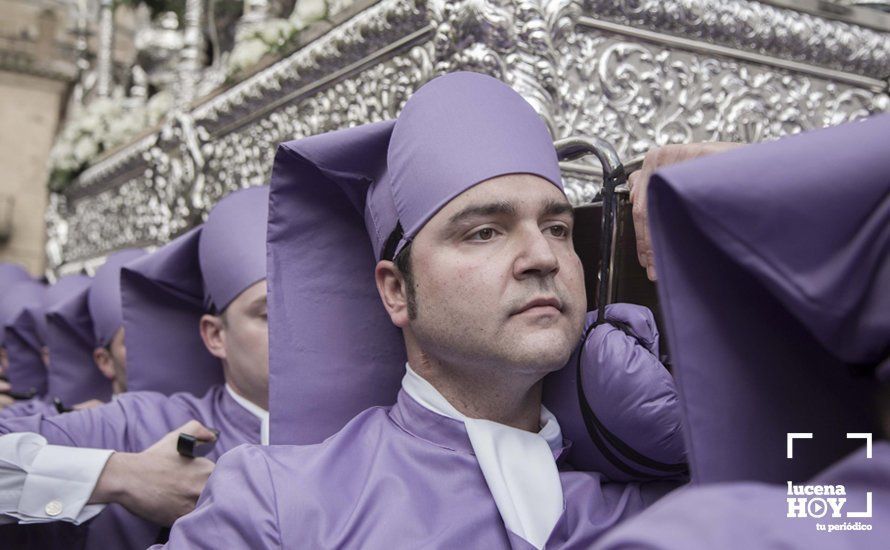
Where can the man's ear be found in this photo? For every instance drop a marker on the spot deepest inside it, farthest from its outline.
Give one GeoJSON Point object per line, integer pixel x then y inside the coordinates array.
{"type": "Point", "coordinates": [214, 335]}
{"type": "Point", "coordinates": [102, 358]}
{"type": "Point", "coordinates": [391, 286]}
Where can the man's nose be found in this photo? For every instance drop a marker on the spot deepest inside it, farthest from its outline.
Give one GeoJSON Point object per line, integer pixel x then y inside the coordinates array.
{"type": "Point", "coordinates": [535, 256]}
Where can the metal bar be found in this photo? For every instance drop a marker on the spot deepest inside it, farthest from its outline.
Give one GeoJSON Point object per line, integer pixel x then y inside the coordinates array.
{"type": "Point", "coordinates": [326, 81]}
{"type": "Point", "coordinates": [873, 84]}
{"type": "Point", "coordinates": [614, 175]}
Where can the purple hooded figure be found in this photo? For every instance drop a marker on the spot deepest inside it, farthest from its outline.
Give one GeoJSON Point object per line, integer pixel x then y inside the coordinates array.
{"type": "Point", "coordinates": [417, 473]}
{"type": "Point", "coordinates": [774, 265]}
{"type": "Point", "coordinates": [34, 333]}
{"type": "Point", "coordinates": [104, 300]}
{"type": "Point", "coordinates": [73, 376]}
{"type": "Point", "coordinates": [163, 300]}
{"type": "Point", "coordinates": [26, 371]}
{"type": "Point", "coordinates": [106, 312]}
{"type": "Point", "coordinates": [208, 269]}
{"type": "Point", "coordinates": [10, 274]}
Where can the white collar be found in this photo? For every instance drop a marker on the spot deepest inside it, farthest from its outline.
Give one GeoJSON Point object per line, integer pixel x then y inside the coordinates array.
{"type": "Point", "coordinates": [427, 395]}
{"type": "Point", "coordinates": [518, 466]}
{"type": "Point", "coordinates": [254, 409]}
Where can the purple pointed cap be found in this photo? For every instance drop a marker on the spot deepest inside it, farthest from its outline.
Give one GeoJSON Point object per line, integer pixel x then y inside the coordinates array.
{"type": "Point", "coordinates": [774, 278]}
{"type": "Point", "coordinates": [166, 292]}
{"type": "Point", "coordinates": [26, 370]}
{"type": "Point", "coordinates": [232, 251]}
{"type": "Point", "coordinates": [163, 298]}
{"type": "Point", "coordinates": [64, 288]}
{"type": "Point", "coordinates": [105, 296]}
{"type": "Point", "coordinates": [72, 375]}
{"type": "Point", "coordinates": [336, 199]}
{"type": "Point", "coordinates": [11, 274]}
{"type": "Point", "coordinates": [26, 293]}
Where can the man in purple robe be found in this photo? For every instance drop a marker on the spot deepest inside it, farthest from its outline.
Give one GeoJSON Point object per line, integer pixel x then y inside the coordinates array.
{"type": "Point", "coordinates": [780, 345]}
{"type": "Point", "coordinates": [10, 274]}
{"type": "Point", "coordinates": [471, 256]}
{"type": "Point", "coordinates": [84, 331]}
{"type": "Point", "coordinates": [194, 315]}
{"type": "Point", "coordinates": [22, 361]}
{"type": "Point", "coordinates": [109, 352]}
{"type": "Point", "coordinates": [51, 329]}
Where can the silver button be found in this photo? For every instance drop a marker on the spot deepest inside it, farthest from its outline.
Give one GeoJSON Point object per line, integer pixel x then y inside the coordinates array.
{"type": "Point", "coordinates": [53, 508]}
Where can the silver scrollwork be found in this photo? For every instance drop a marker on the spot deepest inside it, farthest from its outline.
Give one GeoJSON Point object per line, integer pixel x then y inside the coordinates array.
{"type": "Point", "coordinates": [632, 90]}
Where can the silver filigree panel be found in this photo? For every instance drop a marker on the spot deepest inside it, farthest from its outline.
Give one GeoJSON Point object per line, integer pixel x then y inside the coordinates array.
{"type": "Point", "coordinates": [244, 157]}
{"type": "Point", "coordinates": [753, 26]}
{"type": "Point", "coordinates": [582, 79]}
{"type": "Point", "coordinates": [640, 95]}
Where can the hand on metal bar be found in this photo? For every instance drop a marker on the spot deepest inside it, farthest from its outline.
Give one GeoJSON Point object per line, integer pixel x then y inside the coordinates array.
{"type": "Point", "coordinates": [639, 184]}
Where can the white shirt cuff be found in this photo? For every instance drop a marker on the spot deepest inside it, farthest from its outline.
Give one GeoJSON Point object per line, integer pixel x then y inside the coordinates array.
{"type": "Point", "coordinates": [59, 484]}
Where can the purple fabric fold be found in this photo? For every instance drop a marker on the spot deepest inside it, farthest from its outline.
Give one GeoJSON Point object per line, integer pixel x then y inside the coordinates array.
{"type": "Point", "coordinates": [165, 293]}
{"type": "Point", "coordinates": [105, 296]}
{"type": "Point", "coordinates": [162, 295]}
{"type": "Point", "coordinates": [26, 370]}
{"type": "Point", "coordinates": [72, 375]}
{"type": "Point", "coordinates": [774, 266]}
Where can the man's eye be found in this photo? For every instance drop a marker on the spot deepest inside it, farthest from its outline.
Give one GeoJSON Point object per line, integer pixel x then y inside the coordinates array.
{"type": "Point", "coordinates": [559, 231]}
{"type": "Point", "coordinates": [484, 234]}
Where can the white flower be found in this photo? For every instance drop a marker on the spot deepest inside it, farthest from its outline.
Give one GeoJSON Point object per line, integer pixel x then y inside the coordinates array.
{"type": "Point", "coordinates": [123, 127]}
{"type": "Point", "coordinates": [103, 107]}
{"type": "Point", "coordinates": [62, 156]}
{"type": "Point", "coordinates": [308, 11]}
{"type": "Point", "coordinates": [276, 32]}
{"type": "Point", "coordinates": [246, 54]}
{"type": "Point", "coordinates": [158, 106]}
{"type": "Point", "coordinates": [85, 149]}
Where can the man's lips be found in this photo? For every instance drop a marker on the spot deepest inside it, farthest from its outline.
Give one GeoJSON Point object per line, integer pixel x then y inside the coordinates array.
{"type": "Point", "coordinates": [543, 302]}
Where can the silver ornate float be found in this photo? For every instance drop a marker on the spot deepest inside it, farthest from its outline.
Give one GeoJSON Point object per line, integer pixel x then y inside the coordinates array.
{"type": "Point", "coordinates": [637, 73]}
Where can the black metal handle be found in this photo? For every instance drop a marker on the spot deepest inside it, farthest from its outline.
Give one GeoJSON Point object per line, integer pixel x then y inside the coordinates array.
{"type": "Point", "coordinates": [614, 175]}
{"type": "Point", "coordinates": [60, 407]}
{"type": "Point", "coordinates": [192, 447]}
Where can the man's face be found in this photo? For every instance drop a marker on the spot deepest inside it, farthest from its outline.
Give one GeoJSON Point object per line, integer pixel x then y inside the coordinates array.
{"type": "Point", "coordinates": [496, 280]}
{"type": "Point", "coordinates": [118, 352]}
{"type": "Point", "coordinates": [112, 361]}
{"type": "Point", "coordinates": [241, 339]}
{"type": "Point", "coordinates": [4, 360]}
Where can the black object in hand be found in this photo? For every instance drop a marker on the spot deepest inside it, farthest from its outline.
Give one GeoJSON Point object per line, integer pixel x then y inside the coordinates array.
{"type": "Point", "coordinates": [192, 447]}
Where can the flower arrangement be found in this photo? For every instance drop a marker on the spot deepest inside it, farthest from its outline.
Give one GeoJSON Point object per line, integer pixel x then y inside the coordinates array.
{"type": "Point", "coordinates": [103, 124]}
{"type": "Point", "coordinates": [274, 36]}
{"type": "Point", "coordinates": [106, 123]}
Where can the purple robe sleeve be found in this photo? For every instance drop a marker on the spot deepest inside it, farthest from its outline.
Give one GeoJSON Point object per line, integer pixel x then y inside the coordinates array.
{"type": "Point", "coordinates": [237, 508]}
{"type": "Point", "coordinates": [105, 427]}
{"type": "Point", "coordinates": [26, 408]}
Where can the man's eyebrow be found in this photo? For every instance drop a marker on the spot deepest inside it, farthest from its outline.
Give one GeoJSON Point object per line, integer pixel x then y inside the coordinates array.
{"type": "Point", "coordinates": [482, 210]}
{"type": "Point", "coordinates": [259, 302]}
{"type": "Point", "coordinates": [555, 207]}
